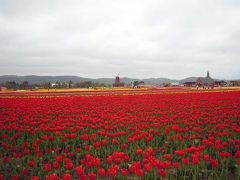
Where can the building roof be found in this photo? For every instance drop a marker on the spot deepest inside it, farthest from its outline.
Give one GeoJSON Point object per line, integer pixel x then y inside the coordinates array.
{"type": "Point", "coordinates": [189, 82]}
{"type": "Point", "coordinates": [205, 80]}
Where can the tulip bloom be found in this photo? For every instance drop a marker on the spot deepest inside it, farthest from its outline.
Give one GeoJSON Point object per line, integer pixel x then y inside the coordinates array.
{"type": "Point", "coordinates": [101, 172]}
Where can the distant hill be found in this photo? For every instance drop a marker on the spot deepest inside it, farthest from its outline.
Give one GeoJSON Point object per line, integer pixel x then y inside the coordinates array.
{"type": "Point", "coordinates": [40, 79]}
{"type": "Point", "coordinates": [158, 80]}
{"type": "Point", "coordinates": [32, 79]}
{"type": "Point", "coordinates": [193, 79]}
{"type": "Point", "coordinates": [189, 79]}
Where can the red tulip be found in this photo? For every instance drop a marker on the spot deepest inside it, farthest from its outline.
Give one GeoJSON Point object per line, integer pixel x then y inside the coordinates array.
{"type": "Point", "coordinates": [101, 172]}
{"type": "Point", "coordinates": [31, 163]}
{"type": "Point", "coordinates": [79, 171]}
{"type": "Point", "coordinates": [91, 176]}
{"type": "Point", "coordinates": [36, 178]}
{"type": "Point", "coordinates": [66, 176]}
{"type": "Point", "coordinates": [139, 152]}
{"type": "Point", "coordinates": [185, 161]}
{"type": "Point", "coordinates": [214, 163]}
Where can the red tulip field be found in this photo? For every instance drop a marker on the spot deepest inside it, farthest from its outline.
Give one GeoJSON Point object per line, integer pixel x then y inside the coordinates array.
{"type": "Point", "coordinates": [173, 135]}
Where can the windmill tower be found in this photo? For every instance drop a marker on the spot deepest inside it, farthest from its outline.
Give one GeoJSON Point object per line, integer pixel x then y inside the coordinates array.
{"type": "Point", "coordinates": [117, 82]}
{"type": "Point", "coordinates": [117, 79]}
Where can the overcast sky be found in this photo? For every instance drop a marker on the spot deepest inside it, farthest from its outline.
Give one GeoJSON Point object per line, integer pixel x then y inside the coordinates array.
{"type": "Point", "coordinates": [135, 38]}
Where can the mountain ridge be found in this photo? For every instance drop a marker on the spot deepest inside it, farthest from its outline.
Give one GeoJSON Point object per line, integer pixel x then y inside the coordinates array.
{"type": "Point", "coordinates": [35, 79]}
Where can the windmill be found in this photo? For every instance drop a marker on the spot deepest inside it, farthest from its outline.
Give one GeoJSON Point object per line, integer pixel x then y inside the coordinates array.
{"type": "Point", "coordinates": [117, 79]}
{"type": "Point", "coordinates": [117, 82]}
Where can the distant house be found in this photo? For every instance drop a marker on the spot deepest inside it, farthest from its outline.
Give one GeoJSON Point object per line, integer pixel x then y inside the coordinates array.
{"type": "Point", "coordinates": [205, 82]}
{"type": "Point", "coordinates": [175, 84]}
{"type": "Point", "coordinates": [189, 84]}
{"type": "Point", "coordinates": [2, 88]}
{"type": "Point", "coordinates": [235, 83]}
{"type": "Point", "coordinates": [220, 83]}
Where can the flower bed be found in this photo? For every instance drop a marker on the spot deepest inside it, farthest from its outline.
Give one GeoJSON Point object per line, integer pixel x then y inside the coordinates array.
{"type": "Point", "coordinates": [173, 135]}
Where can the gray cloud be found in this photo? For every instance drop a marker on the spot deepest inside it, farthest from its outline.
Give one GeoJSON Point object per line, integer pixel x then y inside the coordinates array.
{"type": "Point", "coordinates": [97, 38]}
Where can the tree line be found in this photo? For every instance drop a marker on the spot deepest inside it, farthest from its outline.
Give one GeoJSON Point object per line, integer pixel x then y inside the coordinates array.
{"type": "Point", "coordinates": [47, 85]}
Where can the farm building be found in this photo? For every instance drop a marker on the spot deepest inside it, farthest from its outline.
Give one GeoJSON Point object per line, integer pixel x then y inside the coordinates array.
{"type": "Point", "coordinates": [235, 83]}
{"type": "Point", "coordinates": [220, 83]}
{"type": "Point", "coordinates": [189, 84]}
{"type": "Point", "coordinates": [205, 82]}
{"type": "Point", "coordinates": [2, 88]}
